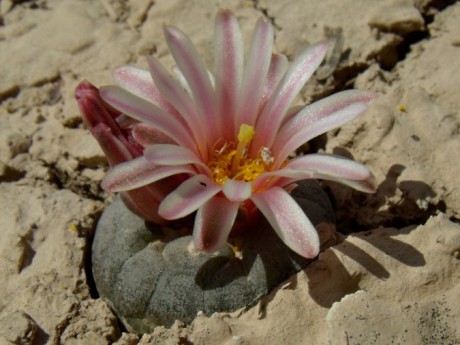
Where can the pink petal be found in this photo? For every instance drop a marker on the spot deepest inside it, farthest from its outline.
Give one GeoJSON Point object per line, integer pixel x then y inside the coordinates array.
{"type": "Point", "coordinates": [278, 66]}
{"type": "Point", "coordinates": [101, 120]}
{"type": "Point", "coordinates": [126, 122]}
{"type": "Point", "coordinates": [140, 202]}
{"type": "Point", "coordinates": [300, 71]}
{"type": "Point", "coordinates": [149, 113]}
{"type": "Point", "coordinates": [321, 166]}
{"type": "Point", "coordinates": [318, 118]}
{"type": "Point", "coordinates": [368, 185]}
{"type": "Point", "coordinates": [147, 135]}
{"type": "Point", "coordinates": [237, 191]}
{"type": "Point", "coordinates": [288, 220]}
{"type": "Point", "coordinates": [167, 154]}
{"type": "Point", "coordinates": [180, 77]}
{"type": "Point", "coordinates": [181, 101]}
{"type": "Point", "coordinates": [139, 82]}
{"type": "Point", "coordinates": [115, 151]}
{"type": "Point", "coordinates": [183, 82]}
{"type": "Point", "coordinates": [228, 48]}
{"type": "Point", "coordinates": [196, 74]}
{"type": "Point", "coordinates": [213, 223]}
{"type": "Point", "coordinates": [255, 73]}
{"type": "Point", "coordinates": [137, 173]}
{"type": "Point", "coordinates": [329, 165]}
{"type": "Point", "coordinates": [188, 197]}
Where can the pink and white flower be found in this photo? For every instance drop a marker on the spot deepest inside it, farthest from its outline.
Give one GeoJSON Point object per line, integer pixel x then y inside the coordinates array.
{"type": "Point", "coordinates": [218, 142]}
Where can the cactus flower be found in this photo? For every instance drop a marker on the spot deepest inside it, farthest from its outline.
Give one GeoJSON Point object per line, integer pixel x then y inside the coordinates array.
{"type": "Point", "coordinates": [218, 143]}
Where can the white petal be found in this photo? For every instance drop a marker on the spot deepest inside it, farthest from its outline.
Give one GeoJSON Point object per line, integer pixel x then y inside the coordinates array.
{"type": "Point", "coordinates": [213, 223]}
{"type": "Point", "coordinates": [255, 73]}
{"type": "Point", "coordinates": [167, 154]}
{"type": "Point", "coordinates": [181, 101]}
{"type": "Point", "coordinates": [236, 190]}
{"type": "Point", "coordinates": [318, 118]}
{"type": "Point", "coordinates": [196, 74]}
{"type": "Point", "coordinates": [147, 135]}
{"type": "Point", "coordinates": [188, 197]}
{"type": "Point", "coordinates": [321, 166]}
{"type": "Point", "coordinates": [272, 116]}
{"type": "Point", "coordinates": [144, 111]}
{"type": "Point", "coordinates": [138, 173]}
{"type": "Point", "coordinates": [368, 185]}
{"type": "Point", "coordinates": [139, 82]}
{"type": "Point", "coordinates": [278, 66]}
{"type": "Point", "coordinates": [228, 56]}
{"type": "Point", "coordinates": [332, 165]}
{"type": "Point", "coordinates": [288, 220]}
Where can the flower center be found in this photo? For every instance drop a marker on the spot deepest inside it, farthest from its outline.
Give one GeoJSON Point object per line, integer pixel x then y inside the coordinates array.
{"type": "Point", "coordinates": [235, 163]}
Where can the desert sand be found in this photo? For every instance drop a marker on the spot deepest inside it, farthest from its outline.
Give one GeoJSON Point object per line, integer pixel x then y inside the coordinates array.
{"type": "Point", "coordinates": [394, 276]}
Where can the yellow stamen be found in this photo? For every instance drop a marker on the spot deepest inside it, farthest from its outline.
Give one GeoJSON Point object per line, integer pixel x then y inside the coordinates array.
{"type": "Point", "coordinates": [230, 162]}
{"type": "Point", "coordinates": [245, 135]}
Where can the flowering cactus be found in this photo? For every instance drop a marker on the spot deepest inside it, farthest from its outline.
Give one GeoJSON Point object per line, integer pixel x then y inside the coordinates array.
{"type": "Point", "coordinates": [218, 143]}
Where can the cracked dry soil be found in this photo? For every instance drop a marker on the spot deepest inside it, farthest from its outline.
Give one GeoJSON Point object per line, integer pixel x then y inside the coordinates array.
{"type": "Point", "coordinates": [393, 278]}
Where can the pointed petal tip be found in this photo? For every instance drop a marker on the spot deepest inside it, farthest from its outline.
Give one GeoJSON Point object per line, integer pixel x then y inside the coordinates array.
{"type": "Point", "coordinates": [83, 86]}
{"type": "Point", "coordinates": [368, 97]}
{"type": "Point", "coordinates": [84, 90]}
{"type": "Point", "coordinates": [323, 44]}
{"type": "Point", "coordinates": [262, 20]}
{"type": "Point", "coordinates": [224, 12]}
{"type": "Point", "coordinates": [370, 184]}
{"type": "Point", "coordinates": [172, 33]}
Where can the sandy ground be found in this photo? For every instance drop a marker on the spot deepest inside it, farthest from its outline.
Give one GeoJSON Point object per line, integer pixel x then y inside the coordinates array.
{"type": "Point", "coordinates": [395, 277]}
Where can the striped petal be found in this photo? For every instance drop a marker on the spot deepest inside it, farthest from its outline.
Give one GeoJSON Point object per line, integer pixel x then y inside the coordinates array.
{"type": "Point", "coordinates": [329, 165]}
{"type": "Point", "coordinates": [183, 82]}
{"type": "Point", "coordinates": [137, 173]}
{"type": "Point", "coordinates": [188, 197]}
{"type": "Point", "coordinates": [228, 48]}
{"type": "Point", "coordinates": [278, 66]}
{"type": "Point", "coordinates": [288, 220]}
{"type": "Point", "coordinates": [147, 135]}
{"type": "Point", "coordinates": [299, 72]}
{"type": "Point", "coordinates": [196, 74]}
{"type": "Point", "coordinates": [237, 191]}
{"type": "Point", "coordinates": [147, 112]}
{"type": "Point", "coordinates": [167, 154]}
{"type": "Point", "coordinates": [318, 118]}
{"type": "Point", "coordinates": [255, 73]}
{"type": "Point", "coordinates": [321, 166]}
{"type": "Point", "coordinates": [179, 98]}
{"type": "Point", "coordinates": [368, 185]}
{"type": "Point", "coordinates": [115, 150]}
{"type": "Point", "coordinates": [139, 82]}
{"type": "Point", "coordinates": [213, 223]}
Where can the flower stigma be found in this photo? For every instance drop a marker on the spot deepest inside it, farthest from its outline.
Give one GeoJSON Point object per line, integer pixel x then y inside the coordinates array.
{"type": "Point", "coordinates": [232, 161]}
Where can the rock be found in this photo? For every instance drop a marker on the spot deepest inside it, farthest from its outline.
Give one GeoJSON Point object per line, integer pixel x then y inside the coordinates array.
{"type": "Point", "coordinates": [150, 280]}
{"type": "Point", "coordinates": [17, 328]}
{"type": "Point", "coordinates": [400, 17]}
{"type": "Point", "coordinates": [92, 323]}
